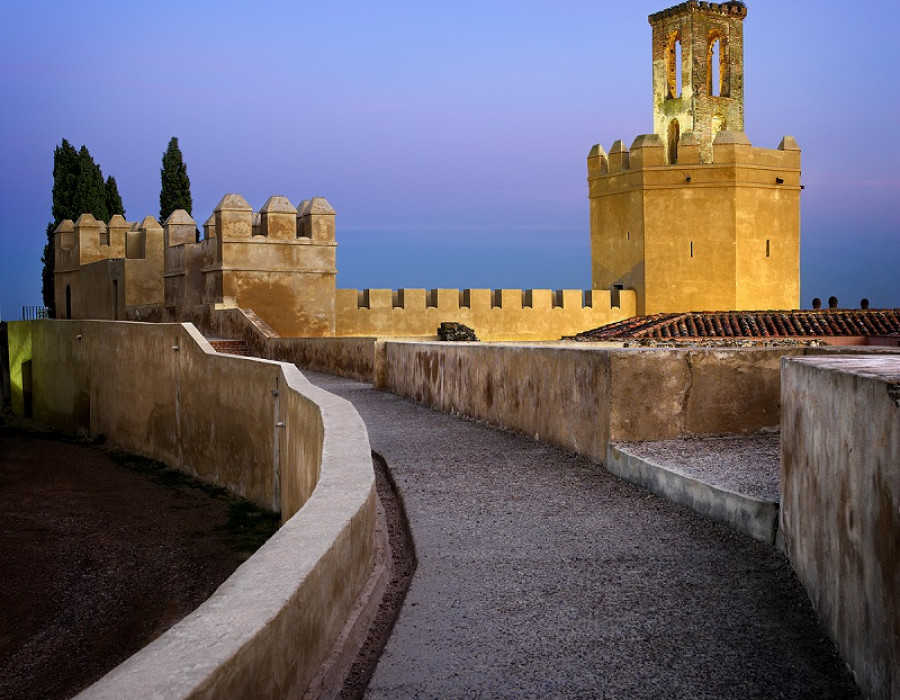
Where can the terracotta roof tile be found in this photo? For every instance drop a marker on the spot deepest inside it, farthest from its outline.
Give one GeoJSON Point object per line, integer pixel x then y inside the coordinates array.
{"type": "Point", "coordinates": [752, 324]}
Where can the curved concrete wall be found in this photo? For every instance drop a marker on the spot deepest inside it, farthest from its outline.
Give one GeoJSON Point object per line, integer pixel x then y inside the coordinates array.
{"type": "Point", "coordinates": [259, 428]}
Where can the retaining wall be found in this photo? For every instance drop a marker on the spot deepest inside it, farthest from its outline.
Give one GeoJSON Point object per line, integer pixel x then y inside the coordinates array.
{"type": "Point", "coordinates": [840, 505]}
{"type": "Point", "coordinates": [259, 428]}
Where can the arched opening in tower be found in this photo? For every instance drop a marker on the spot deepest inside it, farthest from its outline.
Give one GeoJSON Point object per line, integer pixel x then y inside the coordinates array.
{"type": "Point", "coordinates": [673, 66]}
{"type": "Point", "coordinates": [716, 70]}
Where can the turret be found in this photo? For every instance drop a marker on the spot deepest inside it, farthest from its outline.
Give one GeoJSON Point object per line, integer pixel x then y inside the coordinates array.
{"type": "Point", "coordinates": [698, 73]}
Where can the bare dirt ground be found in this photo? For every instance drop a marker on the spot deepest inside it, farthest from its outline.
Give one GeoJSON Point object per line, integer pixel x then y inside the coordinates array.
{"type": "Point", "coordinates": [101, 553]}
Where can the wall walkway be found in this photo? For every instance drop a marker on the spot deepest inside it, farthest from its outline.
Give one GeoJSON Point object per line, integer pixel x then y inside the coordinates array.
{"type": "Point", "coordinates": [542, 575]}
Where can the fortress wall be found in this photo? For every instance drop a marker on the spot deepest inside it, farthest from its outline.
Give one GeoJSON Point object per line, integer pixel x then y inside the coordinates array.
{"type": "Point", "coordinates": [840, 505]}
{"type": "Point", "coordinates": [558, 395]}
{"type": "Point", "coordinates": [582, 398]}
{"type": "Point", "coordinates": [268, 629]}
{"type": "Point", "coordinates": [4, 367]}
{"type": "Point", "coordinates": [494, 314]}
{"type": "Point", "coordinates": [356, 358]}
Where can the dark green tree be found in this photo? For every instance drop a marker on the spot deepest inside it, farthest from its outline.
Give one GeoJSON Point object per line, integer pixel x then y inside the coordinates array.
{"type": "Point", "coordinates": [113, 200]}
{"type": "Point", "coordinates": [65, 181]}
{"type": "Point", "coordinates": [78, 188]}
{"type": "Point", "coordinates": [90, 194]}
{"type": "Point", "coordinates": [176, 185]}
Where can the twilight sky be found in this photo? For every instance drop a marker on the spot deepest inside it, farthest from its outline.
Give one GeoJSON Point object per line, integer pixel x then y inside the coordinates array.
{"type": "Point", "coordinates": [451, 138]}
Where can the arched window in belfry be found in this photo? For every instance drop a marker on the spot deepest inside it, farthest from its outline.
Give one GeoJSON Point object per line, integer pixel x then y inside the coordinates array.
{"type": "Point", "coordinates": [673, 66]}
{"type": "Point", "coordinates": [717, 66]}
{"type": "Point", "coordinates": [672, 142]}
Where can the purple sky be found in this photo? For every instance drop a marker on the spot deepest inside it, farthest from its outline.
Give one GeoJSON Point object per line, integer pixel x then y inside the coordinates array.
{"type": "Point", "coordinates": [450, 137]}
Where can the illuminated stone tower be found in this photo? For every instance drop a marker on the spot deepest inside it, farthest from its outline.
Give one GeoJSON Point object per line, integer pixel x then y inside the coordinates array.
{"type": "Point", "coordinates": [692, 217]}
{"type": "Point", "coordinates": [698, 73]}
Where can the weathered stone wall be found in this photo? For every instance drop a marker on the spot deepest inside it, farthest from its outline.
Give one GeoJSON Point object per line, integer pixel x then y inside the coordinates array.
{"type": "Point", "coordinates": [256, 426]}
{"type": "Point", "coordinates": [279, 261]}
{"type": "Point", "coordinates": [102, 269]}
{"type": "Point", "coordinates": [582, 398]}
{"type": "Point", "coordinates": [690, 236]}
{"type": "Point", "coordinates": [840, 504]}
{"type": "Point", "coordinates": [704, 105]}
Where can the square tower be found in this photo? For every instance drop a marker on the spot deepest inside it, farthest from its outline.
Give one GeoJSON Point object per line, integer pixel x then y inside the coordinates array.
{"type": "Point", "coordinates": [698, 73]}
{"type": "Point", "coordinates": [693, 217]}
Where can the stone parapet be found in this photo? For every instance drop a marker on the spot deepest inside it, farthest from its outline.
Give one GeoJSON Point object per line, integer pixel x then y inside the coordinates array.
{"type": "Point", "coordinates": [495, 314]}
{"type": "Point", "coordinates": [732, 8]}
{"type": "Point", "coordinates": [840, 505]}
{"type": "Point", "coordinates": [647, 157]}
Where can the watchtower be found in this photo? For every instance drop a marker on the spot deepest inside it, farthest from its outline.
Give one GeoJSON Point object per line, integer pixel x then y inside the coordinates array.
{"type": "Point", "coordinates": [698, 73]}
{"type": "Point", "coordinates": [693, 217]}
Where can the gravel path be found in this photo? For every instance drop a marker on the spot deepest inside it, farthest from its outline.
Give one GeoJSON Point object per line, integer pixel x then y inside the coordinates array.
{"type": "Point", "coordinates": [541, 575]}
{"type": "Point", "coordinates": [746, 464]}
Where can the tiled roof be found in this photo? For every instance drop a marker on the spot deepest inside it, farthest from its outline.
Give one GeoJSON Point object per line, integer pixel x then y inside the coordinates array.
{"type": "Point", "coordinates": [752, 324]}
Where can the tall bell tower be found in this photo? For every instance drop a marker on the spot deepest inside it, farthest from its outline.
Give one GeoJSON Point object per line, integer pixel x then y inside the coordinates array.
{"type": "Point", "coordinates": [698, 73]}
{"type": "Point", "coordinates": [693, 217]}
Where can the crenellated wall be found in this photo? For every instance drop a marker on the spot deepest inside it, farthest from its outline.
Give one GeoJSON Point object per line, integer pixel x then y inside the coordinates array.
{"type": "Point", "coordinates": [495, 314]}
{"type": "Point", "coordinates": [695, 236]}
{"type": "Point", "coordinates": [279, 261]}
{"type": "Point", "coordinates": [279, 264]}
{"type": "Point", "coordinates": [101, 269]}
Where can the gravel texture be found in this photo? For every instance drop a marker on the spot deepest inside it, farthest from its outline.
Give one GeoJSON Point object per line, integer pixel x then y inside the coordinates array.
{"type": "Point", "coordinates": [746, 464]}
{"type": "Point", "coordinates": [542, 575]}
{"type": "Point", "coordinates": [101, 554]}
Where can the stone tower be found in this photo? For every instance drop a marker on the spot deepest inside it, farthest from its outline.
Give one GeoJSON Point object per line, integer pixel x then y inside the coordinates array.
{"type": "Point", "coordinates": [698, 73]}
{"type": "Point", "coordinates": [692, 217]}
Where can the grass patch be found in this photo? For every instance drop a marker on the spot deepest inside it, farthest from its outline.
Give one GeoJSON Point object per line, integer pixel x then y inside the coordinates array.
{"type": "Point", "coordinates": [248, 526]}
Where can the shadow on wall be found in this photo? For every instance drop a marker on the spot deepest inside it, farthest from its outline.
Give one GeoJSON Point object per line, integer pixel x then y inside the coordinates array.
{"type": "Point", "coordinates": [5, 393]}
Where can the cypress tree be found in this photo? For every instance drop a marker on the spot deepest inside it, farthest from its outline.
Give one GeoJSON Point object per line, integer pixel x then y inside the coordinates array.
{"type": "Point", "coordinates": [175, 192]}
{"type": "Point", "coordinates": [113, 200]}
{"type": "Point", "coordinates": [90, 194]}
{"type": "Point", "coordinates": [65, 181]}
{"type": "Point", "coordinates": [78, 188]}
{"type": "Point", "coordinates": [49, 260]}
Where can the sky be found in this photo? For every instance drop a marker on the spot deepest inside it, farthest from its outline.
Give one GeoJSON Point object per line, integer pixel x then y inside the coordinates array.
{"type": "Point", "coordinates": [451, 138]}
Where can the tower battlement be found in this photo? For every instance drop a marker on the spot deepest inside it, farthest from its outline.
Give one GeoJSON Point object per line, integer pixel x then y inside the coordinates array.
{"type": "Point", "coordinates": [647, 152]}
{"type": "Point", "coordinates": [718, 8]}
